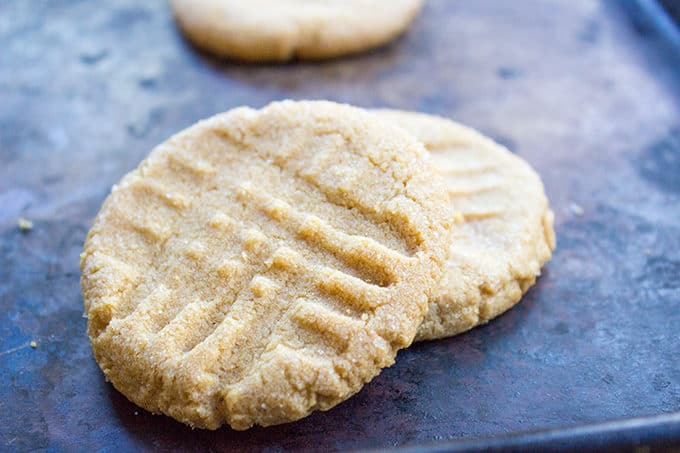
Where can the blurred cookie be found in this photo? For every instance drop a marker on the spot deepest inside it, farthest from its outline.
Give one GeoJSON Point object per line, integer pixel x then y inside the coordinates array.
{"type": "Point", "coordinates": [263, 264]}
{"type": "Point", "coordinates": [504, 233]}
{"type": "Point", "coordinates": [281, 30]}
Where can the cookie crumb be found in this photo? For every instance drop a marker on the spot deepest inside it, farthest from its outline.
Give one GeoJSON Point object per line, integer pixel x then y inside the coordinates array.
{"type": "Point", "coordinates": [34, 344]}
{"type": "Point", "coordinates": [25, 224]}
{"type": "Point", "coordinates": [576, 209]}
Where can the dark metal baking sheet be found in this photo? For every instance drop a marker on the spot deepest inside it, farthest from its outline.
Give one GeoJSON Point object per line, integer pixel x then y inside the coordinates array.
{"type": "Point", "coordinates": [587, 91]}
{"type": "Point", "coordinates": [657, 433]}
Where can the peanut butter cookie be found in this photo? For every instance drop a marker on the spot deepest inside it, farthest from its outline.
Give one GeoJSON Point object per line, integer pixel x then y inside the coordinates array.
{"type": "Point", "coordinates": [263, 264]}
{"type": "Point", "coordinates": [504, 232]}
{"type": "Point", "coordinates": [280, 30]}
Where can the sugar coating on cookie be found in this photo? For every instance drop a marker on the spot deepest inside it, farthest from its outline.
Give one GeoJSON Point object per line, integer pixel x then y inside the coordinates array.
{"type": "Point", "coordinates": [263, 264]}
{"type": "Point", "coordinates": [280, 30]}
{"type": "Point", "coordinates": [504, 227]}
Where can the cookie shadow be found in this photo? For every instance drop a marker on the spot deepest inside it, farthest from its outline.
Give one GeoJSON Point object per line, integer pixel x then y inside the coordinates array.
{"type": "Point", "coordinates": [164, 433]}
{"type": "Point", "coordinates": [355, 423]}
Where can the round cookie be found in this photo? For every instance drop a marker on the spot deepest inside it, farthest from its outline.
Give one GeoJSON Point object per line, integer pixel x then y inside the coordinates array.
{"type": "Point", "coordinates": [504, 231]}
{"type": "Point", "coordinates": [263, 264]}
{"type": "Point", "coordinates": [281, 30]}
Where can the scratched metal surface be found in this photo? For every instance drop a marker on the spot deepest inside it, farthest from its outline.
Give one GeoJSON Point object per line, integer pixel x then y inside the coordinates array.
{"type": "Point", "coordinates": [585, 91]}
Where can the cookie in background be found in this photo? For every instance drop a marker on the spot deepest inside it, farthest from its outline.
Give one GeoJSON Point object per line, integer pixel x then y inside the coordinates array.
{"type": "Point", "coordinates": [283, 30]}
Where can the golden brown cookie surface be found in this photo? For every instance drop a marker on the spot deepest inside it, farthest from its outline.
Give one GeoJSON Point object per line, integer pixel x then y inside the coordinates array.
{"type": "Point", "coordinates": [263, 264]}
{"type": "Point", "coordinates": [280, 30]}
{"type": "Point", "coordinates": [504, 233]}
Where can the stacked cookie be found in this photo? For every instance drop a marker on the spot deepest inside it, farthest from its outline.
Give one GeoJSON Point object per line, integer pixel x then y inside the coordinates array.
{"type": "Point", "coordinates": [263, 264]}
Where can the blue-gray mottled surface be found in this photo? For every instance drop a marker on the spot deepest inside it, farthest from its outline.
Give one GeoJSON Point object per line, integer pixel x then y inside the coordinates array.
{"type": "Point", "coordinates": [587, 94]}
